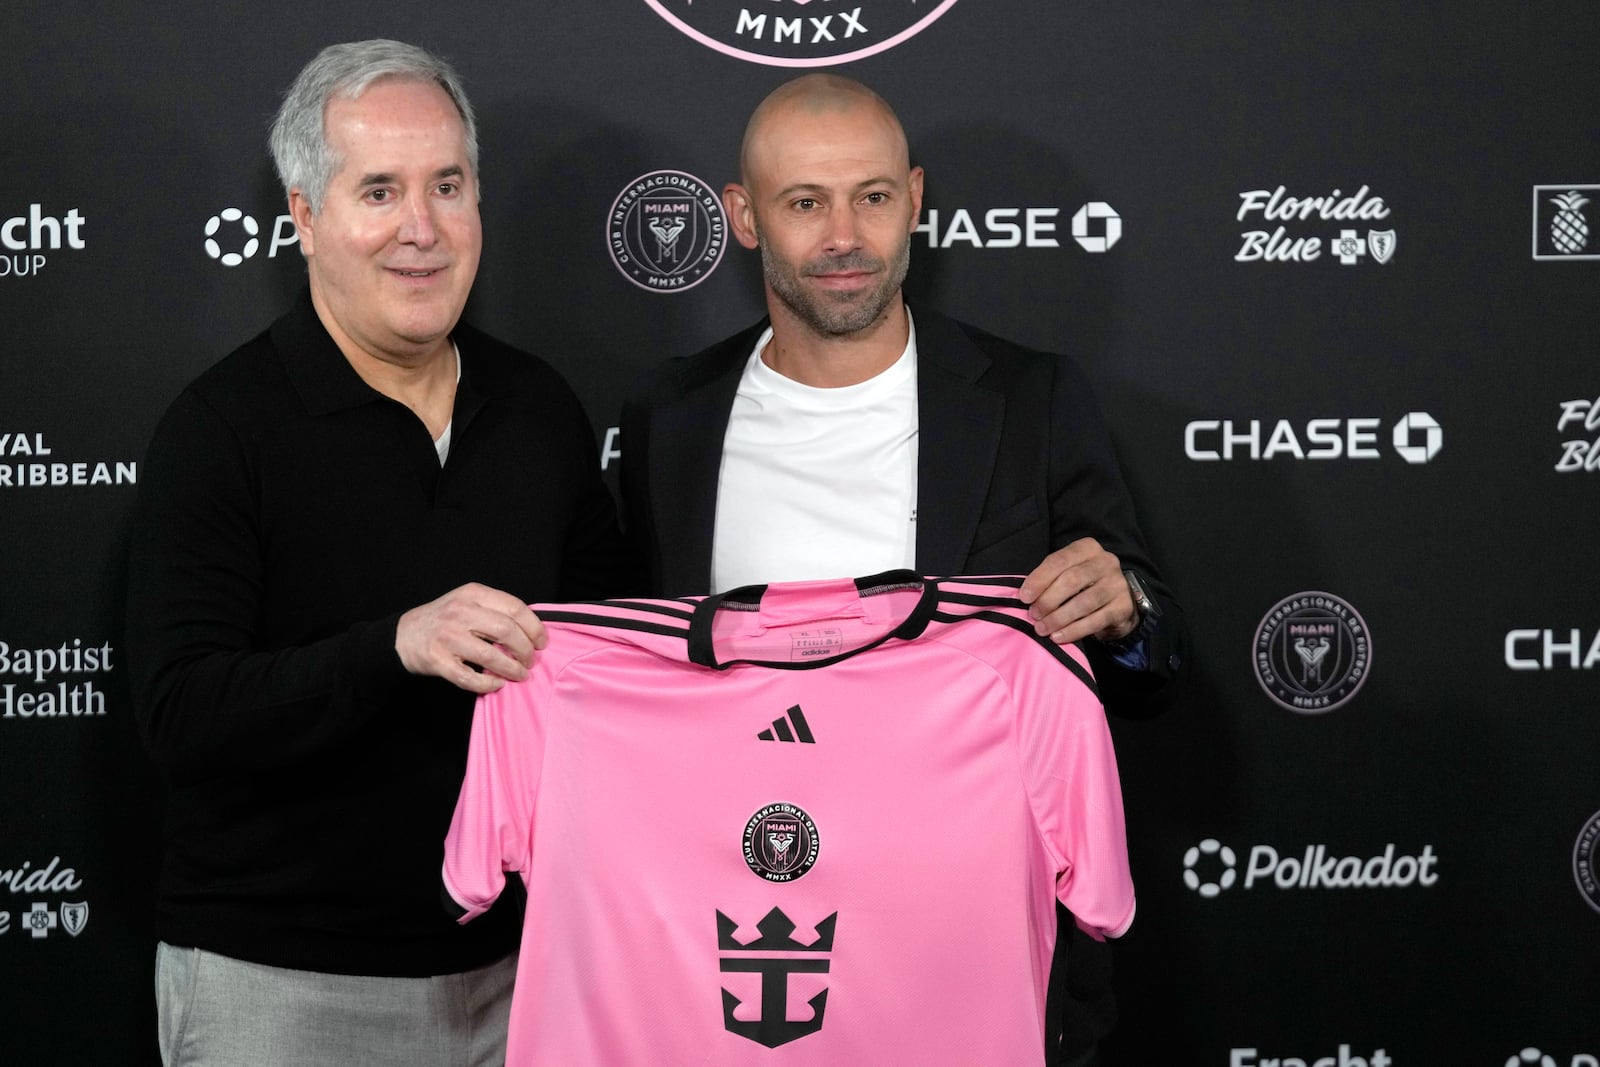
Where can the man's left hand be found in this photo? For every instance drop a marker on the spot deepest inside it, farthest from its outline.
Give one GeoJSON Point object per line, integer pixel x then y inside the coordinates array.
{"type": "Point", "coordinates": [1077, 592]}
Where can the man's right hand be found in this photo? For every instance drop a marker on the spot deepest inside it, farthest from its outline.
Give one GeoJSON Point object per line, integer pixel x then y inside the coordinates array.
{"type": "Point", "coordinates": [471, 627]}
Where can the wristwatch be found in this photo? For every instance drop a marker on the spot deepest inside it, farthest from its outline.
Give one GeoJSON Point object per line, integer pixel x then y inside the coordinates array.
{"type": "Point", "coordinates": [1142, 600]}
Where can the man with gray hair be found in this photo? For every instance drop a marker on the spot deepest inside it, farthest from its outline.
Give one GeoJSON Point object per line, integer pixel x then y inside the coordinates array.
{"type": "Point", "coordinates": [338, 532]}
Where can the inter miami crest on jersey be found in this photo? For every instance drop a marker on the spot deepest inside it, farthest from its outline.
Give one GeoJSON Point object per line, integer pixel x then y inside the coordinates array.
{"type": "Point", "coordinates": [780, 842]}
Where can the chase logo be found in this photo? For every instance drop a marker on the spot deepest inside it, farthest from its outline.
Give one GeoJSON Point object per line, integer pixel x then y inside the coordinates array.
{"type": "Point", "coordinates": [800, 33]}
{"type": "Point", "coordinates": [1417, 438]}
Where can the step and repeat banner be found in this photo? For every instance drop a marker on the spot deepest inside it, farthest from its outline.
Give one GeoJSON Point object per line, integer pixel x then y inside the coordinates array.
{"type": "Point", "coordinates": [1333, 269]}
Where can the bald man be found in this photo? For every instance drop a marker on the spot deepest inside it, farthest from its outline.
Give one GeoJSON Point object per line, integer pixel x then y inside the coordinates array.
{"type": "Point", "coordinates": [845, 435]}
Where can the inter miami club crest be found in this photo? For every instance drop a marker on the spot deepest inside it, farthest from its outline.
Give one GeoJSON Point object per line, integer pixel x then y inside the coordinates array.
{"type": "Point", "coordinates": [667, 231]}
{"type": "Point", "coordinates": [780, 842]}
{"type": "Point", "coordinates": [1586, 861]}
{"type": "Point", "coordinates": [1312, 652]}
{"type": "Point", "coordinates": [800, 33]}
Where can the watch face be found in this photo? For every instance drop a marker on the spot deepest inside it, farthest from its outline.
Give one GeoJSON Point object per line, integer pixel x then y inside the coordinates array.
{"type": "Point", "coordinates": [1141, 597]}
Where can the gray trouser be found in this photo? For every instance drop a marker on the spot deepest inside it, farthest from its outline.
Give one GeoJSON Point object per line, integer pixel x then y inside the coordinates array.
{"type": "Point", "coordinates": [215, 1011]}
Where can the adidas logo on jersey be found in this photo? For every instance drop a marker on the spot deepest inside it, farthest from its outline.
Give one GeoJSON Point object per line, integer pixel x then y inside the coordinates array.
{"type": "Point", "coordinates": [781, 732]}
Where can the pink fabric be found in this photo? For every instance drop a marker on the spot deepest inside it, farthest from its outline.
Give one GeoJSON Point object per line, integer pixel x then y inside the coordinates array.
{"type": "Point", "coordinates": [958, 783]}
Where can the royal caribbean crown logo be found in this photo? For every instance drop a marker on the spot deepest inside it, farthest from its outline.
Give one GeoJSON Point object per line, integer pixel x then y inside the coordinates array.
{"type": "Point", "coordinates": [800, 33]}
{"type": "Point", "coordinates": [774, 956]}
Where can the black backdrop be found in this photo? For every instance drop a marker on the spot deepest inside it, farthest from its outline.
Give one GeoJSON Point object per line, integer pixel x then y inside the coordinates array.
{"type": "Point", "coordinates": [1385, 855]}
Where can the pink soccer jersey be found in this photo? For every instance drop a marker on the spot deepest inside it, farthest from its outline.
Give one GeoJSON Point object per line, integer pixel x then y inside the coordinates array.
{"type": "Point", "coordinates": [812, 823]}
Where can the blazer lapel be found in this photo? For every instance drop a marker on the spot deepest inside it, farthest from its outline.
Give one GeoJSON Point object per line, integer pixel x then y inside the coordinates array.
{"type": "Point", "coordinates": [686, 461]}
{"type": "Point", "coordinates": [958, 434]}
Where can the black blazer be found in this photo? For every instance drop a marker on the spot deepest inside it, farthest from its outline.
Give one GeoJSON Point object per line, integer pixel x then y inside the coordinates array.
{"type": "Point", "coordinates": [1013, 462]}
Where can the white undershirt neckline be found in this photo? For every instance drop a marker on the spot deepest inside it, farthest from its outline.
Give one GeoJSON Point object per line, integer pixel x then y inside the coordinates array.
{"type": "Point", "coordinates": [441, 444]}
{"type": "Point", "coordinates": [818, 483]}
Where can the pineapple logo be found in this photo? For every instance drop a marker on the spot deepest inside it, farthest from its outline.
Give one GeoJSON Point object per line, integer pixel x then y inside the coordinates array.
{"type": "Point", "coordinates": [1561, 223]}
{"type": "Point", "coordinates": [1569, 230]}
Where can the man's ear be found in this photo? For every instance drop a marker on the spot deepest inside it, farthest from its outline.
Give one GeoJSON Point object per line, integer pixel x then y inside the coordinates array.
{"type": "Point", "coordinates": [914, 192]}
{"type": "Point", "coordinates": [304, 221]}
{"type": "Point", "coordinates": [736, 201]}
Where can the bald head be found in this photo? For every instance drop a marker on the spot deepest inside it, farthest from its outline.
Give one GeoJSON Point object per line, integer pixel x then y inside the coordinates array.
{"type": "Point", "coordinates": [829, 196]}
{"type": "Point", "coordinates": [814, 97]}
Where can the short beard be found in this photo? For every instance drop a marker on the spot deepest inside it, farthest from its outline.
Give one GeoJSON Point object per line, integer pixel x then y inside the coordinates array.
{"type": "Point", "coordinates": [836, 314]}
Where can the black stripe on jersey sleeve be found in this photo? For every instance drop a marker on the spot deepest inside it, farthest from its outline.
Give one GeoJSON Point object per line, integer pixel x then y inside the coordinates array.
{"type": "Point", "coordinates": [678, 609]}
{"type": "Point", "coordinates": [1023, 627]}
{"type": "Point", "coordinates": [978, 600]}
{"type": "Point", "coordinates": [1014, 581]}
{"type": "Point", "coordinates": [614, 622]}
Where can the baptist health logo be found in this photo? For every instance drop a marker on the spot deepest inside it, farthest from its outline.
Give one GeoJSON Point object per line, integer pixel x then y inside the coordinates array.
{"type": "Point", "coordinates": [792, 33]}
{"type": "Point", "coordinates": [1284, 244]}
{"type": "Point", "coordinates": [1096, 227]}
{"type": "Point", "coordinates": [233, 237]}
{"type": "Point", "coordinates": [40, 917]}
{"type": "Point", "coordinates": [1212, 868]}
{"type": "Point", "coordinates": [26, 238]}
{"type": "Point", "coordinates": [1561, 225]}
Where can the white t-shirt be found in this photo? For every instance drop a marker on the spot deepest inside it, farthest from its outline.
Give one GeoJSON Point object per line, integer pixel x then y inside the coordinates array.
{"type": "Point", "coordinates": [818, 483]}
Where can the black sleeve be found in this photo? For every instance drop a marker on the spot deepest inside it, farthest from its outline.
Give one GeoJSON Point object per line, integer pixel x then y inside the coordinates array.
{"type": "Point", "coordinates": [208, 700]}
{"type": "Point", "coordinates": [1089, 498]}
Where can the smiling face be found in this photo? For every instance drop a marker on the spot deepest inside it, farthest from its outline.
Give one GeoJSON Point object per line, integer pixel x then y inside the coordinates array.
{"type": "Point", "coordinates": [393, 252]}
{"type": "Point", "coordinates": [830, 198]}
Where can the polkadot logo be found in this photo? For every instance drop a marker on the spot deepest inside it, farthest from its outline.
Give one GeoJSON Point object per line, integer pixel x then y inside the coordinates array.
{"type": "Point", "coordinates": [1210, 853]}
{"type": "Point", "coordinates": [1531, 1057]}
{"type": "Point", "coordinates": [238, 225]}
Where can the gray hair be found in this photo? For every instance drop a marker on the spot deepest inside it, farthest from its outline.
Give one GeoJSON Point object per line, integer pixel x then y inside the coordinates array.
{"type": "Point", "coordinates": [299, 137]}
